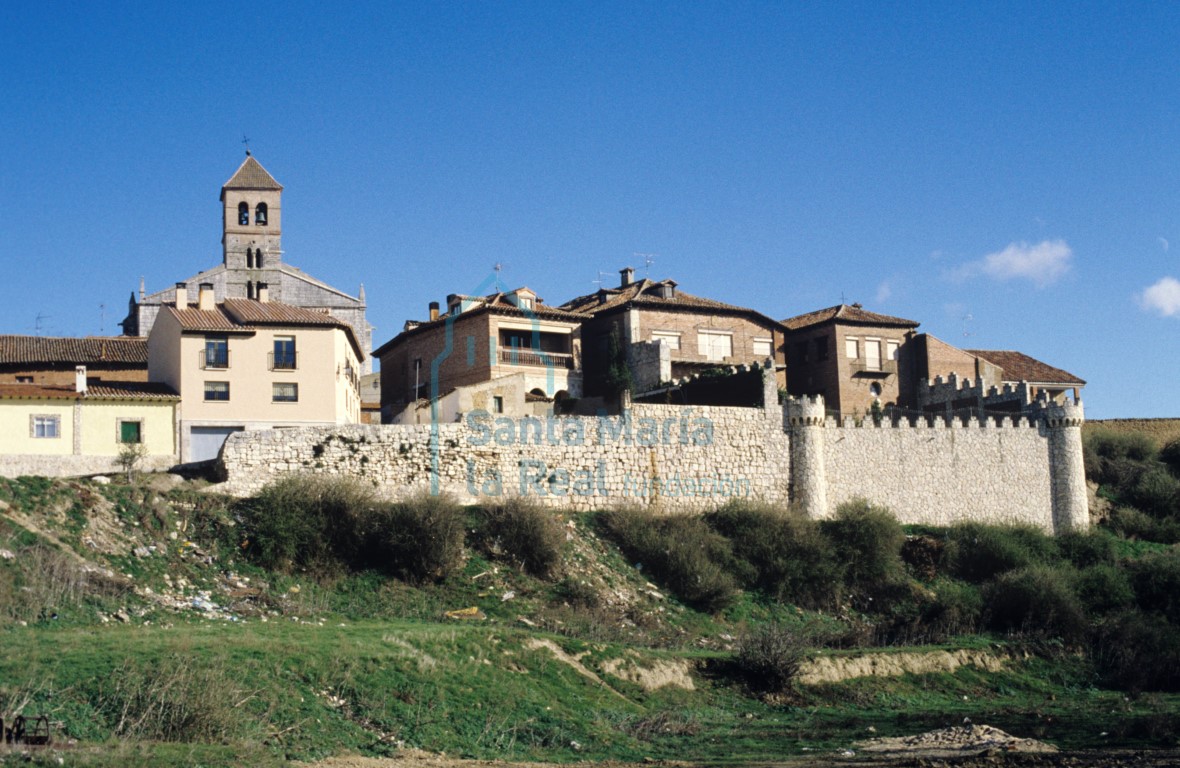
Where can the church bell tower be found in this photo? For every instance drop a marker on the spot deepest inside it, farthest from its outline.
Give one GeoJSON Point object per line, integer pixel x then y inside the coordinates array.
{"type": "Point", "coordinates": [251, 231]}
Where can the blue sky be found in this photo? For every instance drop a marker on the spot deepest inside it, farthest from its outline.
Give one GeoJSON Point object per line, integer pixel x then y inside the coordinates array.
{"type": "Point", "coordinates": [1008, 174]}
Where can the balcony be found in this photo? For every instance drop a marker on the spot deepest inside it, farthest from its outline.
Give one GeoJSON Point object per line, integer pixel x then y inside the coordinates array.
{"type": "Point", "coordinates": [871, 369]}
{"type": "Point", "coordinates": [517, 356]}
{"type": "Point", "coordinates": [282, 361]}
{"type": "Point", "coordinates": [213, 359]}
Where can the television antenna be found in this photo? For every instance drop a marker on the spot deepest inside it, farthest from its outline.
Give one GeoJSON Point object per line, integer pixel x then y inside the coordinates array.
{"type": "Point", "coordinates": [40, 317]}
{"type": "Point", "coordinates": [648, 260]}
{"type": "Point", "coordinates": [498, 267]}
{"type": "Point", "coordinates": [967, 318]}
{"type": "Point", "coordinates": [102, 323]}
{"type": "Point", "coordinates": [600, 280]}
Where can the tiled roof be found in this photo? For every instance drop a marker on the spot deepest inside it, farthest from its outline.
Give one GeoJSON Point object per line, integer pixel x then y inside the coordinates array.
{"type": "Point", "coordinates": [246, 315]}
{"type": "Point", "coordinates": [1020, 367]}
{"type": "Point", "coordinates": [647, 293]}
{"type": "Point", "coordinates": [107, 390]}
{"type": "Point", "coordinates": [251, 175]}
{"type": "Point", "coordinates": [848, 314]}
{"type": "Point", "coordinates": [77, 351]}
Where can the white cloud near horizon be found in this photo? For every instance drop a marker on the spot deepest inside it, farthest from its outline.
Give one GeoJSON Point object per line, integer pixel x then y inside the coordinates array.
{"type": "Point", "coordinates": [1042, 263]}
{"type": "Point", "coordinates": [1162, 297]}
{"type": "Point", "coordinates": [884, 291]}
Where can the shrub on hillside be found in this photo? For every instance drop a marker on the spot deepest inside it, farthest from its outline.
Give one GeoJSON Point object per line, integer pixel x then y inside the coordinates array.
{"type": "Point", "coordinates": [1086, 548]}
{"type": "Point", "coordinates": [679, 550]}
{"type": "Point", "coordinates": [419, 539]}
{"type": "Point", "coordinates": [780, 552]}
{"type": "Point", "coordinates": [769, 656]}
{"type": "Point", "coordinates": [978, 552]}
{"type": "Point", "coordinates": [1156, 581]}
{"type": "Point", "coordinates": [955, 610]}
{"type": "Point", "coordinates": [1130, 523]}
{"type": "Point", "coordinates": [1117, 458]}
{"type": "Point", "coordinates": [1157, 492]}
{"type": "Point", "coordinates": [1170, 456]}
{"type": "Point", "coordinates": [1137, 651]}
{"type": "Point", "coordinates": [310, 522]}
{"type": "Point", "coordinates": [1104, 588]}
{"type": "Point", "coordinates": [868, 541]}
{"type": "Point", "coordinates": [527, 534]}
{"type": "Point", "coordinates": [1037, 601]}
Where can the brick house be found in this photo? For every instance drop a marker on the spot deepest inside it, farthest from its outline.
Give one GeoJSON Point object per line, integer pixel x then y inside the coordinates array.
{"type": "Point", "coordinates": [851, 356]}
{"type": "Point", "coordinates": [245, 364]}
{"type": "Point", "coordinates": [697, 333]}
{"type": "Point", "coordinates": [52, 361]}
{"type": "Point", "coordinates": [482, 339]}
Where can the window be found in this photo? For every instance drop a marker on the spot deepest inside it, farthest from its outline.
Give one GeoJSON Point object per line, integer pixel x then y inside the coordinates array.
{"type": "Point", "coordinates": [801, 352]}
{"type": "Point", "coordinates": [249, 258]}
{"type": "Point", "coordinates": [285, 392]}
{"type": "Point", "coordinates": [45, 426]}
{"type": "Point", "coordinates": [872, 355]}
{"type": "Point", "coordinates": [24, 379]}
{"type": "Point", "coordinates": [890, 350]}
{"type": "Point", "coordinates": [243, 214]}
{"type": "Point", "coordinates": [497, 404]}
{"type": "Point", "coordinates": [260, 214]}
{"type": "Point", "coordinates": [216, 352]}
{"type": "Point", "coordinates": [283, 357]}
{"type": "Point", "coordinates": [671, 338]}
{"type": "Point", "coordinates": [763, 348]}
{"type": "Point", "coordinates": [715, 345]}
{"type": "Point", "coordinates": [821, 348]}
{"type": "Point", "coordinates": [216, 391]}
{"type": "Point", "coordinates": [875, 389]}
{"type": "Point", "coordinates": [851, 349]}
{"type": "Point", "coordinates": [130, 431]}
{"type": "Point", "coordinates": [258, 258]}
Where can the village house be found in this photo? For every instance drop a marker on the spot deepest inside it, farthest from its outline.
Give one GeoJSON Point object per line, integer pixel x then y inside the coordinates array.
{"type": "Point", "coordinates": [53, 361]}
{"type": "Point", "coordinates": [665, 333]}
{"type": "Point", "coordinates": [252, 255]}
{"type": "Point", "coordinates": [56, 429]}
{"type": "Point", "coordinates": [242, 364]}
{"type": "Point", "coordinates": [498, 353]}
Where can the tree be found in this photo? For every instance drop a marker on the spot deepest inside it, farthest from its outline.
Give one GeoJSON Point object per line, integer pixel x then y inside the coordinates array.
{"type": "Point", "coordinates": [130, 455]}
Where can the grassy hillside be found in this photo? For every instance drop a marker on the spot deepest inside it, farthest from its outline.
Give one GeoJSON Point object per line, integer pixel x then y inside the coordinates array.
{"type": "Point", "coordinates": [158, 623]}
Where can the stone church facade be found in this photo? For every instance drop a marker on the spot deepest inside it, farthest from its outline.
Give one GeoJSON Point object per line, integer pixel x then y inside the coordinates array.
{"type": "Point", "coordinates": [252, 258]}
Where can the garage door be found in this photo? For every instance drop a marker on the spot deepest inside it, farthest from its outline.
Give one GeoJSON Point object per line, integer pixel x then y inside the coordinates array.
{"type": "Point", "coordinates": [206, 441]}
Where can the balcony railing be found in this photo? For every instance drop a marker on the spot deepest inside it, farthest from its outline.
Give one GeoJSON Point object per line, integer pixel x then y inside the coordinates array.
{"type": "Point", "coordinates": [282, 361]}
{"type": "Point", "coordinates": [515, 356]}
{"type": "Point", "coordinates": [215, 359]}
{"type": "Point", "coordinates": [876, 368]}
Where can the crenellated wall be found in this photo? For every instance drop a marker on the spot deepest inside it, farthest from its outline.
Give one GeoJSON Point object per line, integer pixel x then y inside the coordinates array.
{"type": "Point", "coordinates": [1025, 468]}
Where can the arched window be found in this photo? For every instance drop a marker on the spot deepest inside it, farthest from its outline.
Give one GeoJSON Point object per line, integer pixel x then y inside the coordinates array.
{"type": "Point", "coordinates": [260, 214]}
{"type": "Point", "coordinates": [249, 289]}
{"type": "Point", "coordinates": [249, 258]}
{"type": "Point", "coordinates": [258, 259]}
{"type": "Point", "coordinates": [243, 214]}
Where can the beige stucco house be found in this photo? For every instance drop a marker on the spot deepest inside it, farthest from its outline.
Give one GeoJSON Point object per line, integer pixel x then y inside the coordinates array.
{"type": "Point", "coordinates": [252, 364]}
{"type": "Point", "coordinates": [73, 430]}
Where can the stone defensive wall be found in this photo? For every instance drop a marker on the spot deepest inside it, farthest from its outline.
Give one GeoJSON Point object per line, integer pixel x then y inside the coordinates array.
{"type": "Point", "coordinates": [693, 459]}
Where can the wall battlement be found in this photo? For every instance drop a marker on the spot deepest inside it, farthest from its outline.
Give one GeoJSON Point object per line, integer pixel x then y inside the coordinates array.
{"type": "Point", "coordinates": [1022, 468]}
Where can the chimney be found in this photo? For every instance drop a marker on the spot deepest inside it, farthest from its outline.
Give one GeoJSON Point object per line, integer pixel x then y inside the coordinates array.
{"type": "Point", "coordinates": [433, 311]}
{"type": "Point", "coordinates": [628, 274]}
{"type": "Point", "coordinates": [80, 379]}
{"type": "Point", "coordinates": [181, 296]}
{"type": "Point", "coordinates": [263, 293]}
{"type": "Point", "coordinates": [205, 297]}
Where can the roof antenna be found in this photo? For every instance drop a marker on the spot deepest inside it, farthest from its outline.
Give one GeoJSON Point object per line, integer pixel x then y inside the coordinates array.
{"type": "Point", "coordinates": [246, 141]}
{"type": "Point", "coordinates": [498, 267]}
{"type": "Point", "coordinates": [967, 318]}
{"type": "Point", "coordinates": [102, 323]}
{"type": "Point", "coordinates": [648, 260]}
{"type": "Point", "coordinates": [41, 316]}
{"type": "Point", "coordinates": [842, 299]}
{"type": "Point", "coordinates": [600, 280]}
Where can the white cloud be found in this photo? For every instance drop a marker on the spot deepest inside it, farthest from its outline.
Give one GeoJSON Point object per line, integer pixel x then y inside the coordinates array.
{"type": "Point", "coordinates": [1042, 263]}
{"type": "Point", "coordinates": [1163, 297]}
{"type": "Point", "coordinates": [1164, 243]}
{"type": "Point", "coordinates": [884, 291]}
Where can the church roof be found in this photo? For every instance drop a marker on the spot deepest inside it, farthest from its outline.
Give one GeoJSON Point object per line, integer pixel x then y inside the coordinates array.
{"type": "Point", "coordinates": [251, 175]}
{"type": "Point", "coordinates": [845, 313]}
{"type": "Point", "coordinates": [76, 351]}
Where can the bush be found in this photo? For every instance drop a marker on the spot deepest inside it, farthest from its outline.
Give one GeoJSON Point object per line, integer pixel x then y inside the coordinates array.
{"type": "Point", "coordinates": [527, 533]}
{"type": "Point", "coordinates": [1083, 549]}
{"type": "Point", "coordinates": [978, 552]}
{"type": "Point", "coordinates": [1170, 456]}
{"type": "Point", "coordinates": [1157, 492]}
{"type": "Point", "coordinates": [1156, 581]}
{"type": "Point", "coordinates": [309, 522]}
{"type": "Point", "coordinates": [1136, 651]}
{"type": "Point", "coordinates": [679, 550]}
{"type": "Point", "coordinates": [769, 656]}
{"type": "Point", "coordinates": [1104, 588]}
{"type": "Point", "coordinates": [1117, 458]}
{"type": "Point", "coordinates": [1038, 601]}
{"type": "Point", "coordinates": [1130, 523]}
{"type": "Point", "coordinates": [782, 553]}
{"type": "Point", "coordinates": [868, 542]}
{"type": "Point", "coordinates": [419, 539]}
{"type": "Point", "coordinates": [955, 610]}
